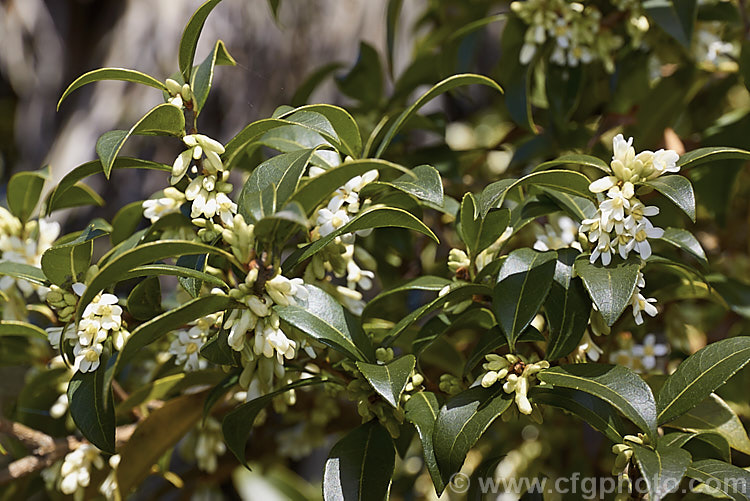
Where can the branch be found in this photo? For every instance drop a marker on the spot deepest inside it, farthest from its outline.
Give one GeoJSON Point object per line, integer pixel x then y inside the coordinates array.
{"type": "Point", "coordinates": [45, 450]}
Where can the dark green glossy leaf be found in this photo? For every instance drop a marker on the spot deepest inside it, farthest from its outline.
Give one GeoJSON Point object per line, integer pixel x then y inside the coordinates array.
{"type": "Point", "coordinates": [523, 283]}
{"type": "Point", "coordinates": [144, 301]}
{"type": "Point", "coordinates": [23, 271]}
{"type": "Point", "coordinates": [17, 328]}
{"type": "Point", "coordinates": [424, 283]}
{"type": "Point", "coordinates": [335, 124]}
{"type": "Point", "coordinates": [163, 119]}
{"type": "Point", "coordinates": [684, 240]}
{"type": "Point", "coordinates": [575, 159]}
{"type": "Point", "coordinates": [23, 192]}
{"type": "Point", "coordinates": [677, 189]}
{"type": "Point", "coordinates": [731, 480]}
{"type": "Point", "coordinates": [662, 468]}
{"type": "Point", "coordinates": [615, 384]}
{"type": "Point", "coordinates": [480, 231]}
{"type": "Point", "coordinates": [389, 380]}
{"type": "Point", "coordinates": [203, 76]}
{"type": "Point", "coordinates": [325, 320]}
{"type": "Point", "coordinates": [700, 374]}
{"type": "Point", "coordinates": [593, 410]}
{"type": "Point", "coordinates": [568, 307]}
{"type": "Point", "coordinates": [94, 417]}
{"type": "Point", "coordinates": [190, 35]}
{"type": "Point", "coordinates": [111, 74]}
{"type": "Point", "coordinates": [423, 181]}
{"type": "Point", "coordinates": [360, 465]}
{"type": "Point", "coordinates": [422, 411]}
{"type": "Point", "coordinates": [78, 195]}
{"type": "Point", "coordinates": [712, 154]}
{"type": "Point", "coordinates": [364, 82]}
{"type": "Point", "coordinates": [462, 420]}
{"type": "Point", "coordinates": [610, 287]}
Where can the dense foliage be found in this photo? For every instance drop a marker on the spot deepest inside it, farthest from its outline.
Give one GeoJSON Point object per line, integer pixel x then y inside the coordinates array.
{"type": "Point", "coordinates": [385, 283]}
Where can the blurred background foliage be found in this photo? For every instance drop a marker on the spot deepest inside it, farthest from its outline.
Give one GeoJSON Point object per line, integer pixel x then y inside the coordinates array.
{"type": "Point", "coordinates": [679, 81]}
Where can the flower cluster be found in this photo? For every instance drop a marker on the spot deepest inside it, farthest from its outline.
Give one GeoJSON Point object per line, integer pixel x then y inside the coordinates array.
{"type": "Point", "coordinates": [559, 232]}
{"type": "Point", "coordinates": [339, 256]}
{"type": "Point", "coordinates": [101, 318]}
{"type": "Point", "coordinates": [576, 30]}
{"type": "Point", "coordinates": [518, 377]}
{"type": "Point", "coordinates": [155, 209]}
{"type": "Point", "coordinates": [186, 343]}
{"type": "Point", "coordinates": [208, 188]}
{"type": "Point", "coordinates": [256, 331]}
{"type": "Point", "coordinates": [25, 244]}
{"type": "Point", "coordinates": [75, 473]}
{"type": "Point", "coordinates": [204, 445]}
{"type": "Point", "coordinates": [621, 223]}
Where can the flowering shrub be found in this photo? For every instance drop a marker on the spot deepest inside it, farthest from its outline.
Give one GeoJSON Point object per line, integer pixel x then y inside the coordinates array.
{"type": "Point", "coordinates": [291, 288]}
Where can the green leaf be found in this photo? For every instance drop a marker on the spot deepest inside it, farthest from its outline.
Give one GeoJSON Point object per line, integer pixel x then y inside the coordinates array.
{"type": "Point", "coordinates": [704, 445]}
{"type": "Point", "coordinates": [567, 306]}
{"type": "Point", "coordinates": [319, 188]}
{"type": "Point", "coordinates": [462, 420]}
{"type": "Point", "coordinates": [112, 74]}
{"type": "Point", "coordinates": [423, 283]}
{"type": "Point", "coordinates": [712, 154]}
{"type": "Point", "coordinates": [94, 417]}
{"type": "Point", "coordinates": [325, 320]}
{"type": "Point", "coordinates": [700, 374]}
{"type": "Point", "coordinates": [615, 384]}
{"type": "Point", "coordinates": [218, 391]}
{"type": "Point", "coordinates": [189, 40]}
{"type": "Point", "coordinates": [593, 410]}
{"type": "Point", "coordinates": [360, 465]}
{"type": "Point", "coordinates": [364, 82]}
{"type": "Point", "coordinates": [610, 287]}
{"type": "Point", "coordinates": [23, 271]}
{"type": "Point", "coordinates": [238, 424]}
{"type": "Point", "coordinates": [389, 380]}
{"type": "Point", "coordinates": [423, 181]}
{"type": "Point", "coordinates": [23, 192]}
{"type": "Point", "coordinates": [157, 270]}
{"type": "Point", "coordinates": [163, 119]}
{"type": "Point", "coordinates": [204, 74]}
{"type": "Point", "coordinates": [562, 181]}
{"type": "Point", "coordinates": [16, 328]}
{"type": "Point", "coordinates": [662, 468]}
{"type": "Point", "coordinates": [192, 284]}
{"type": "Point", "coordinates": [117, 268]}
{"type": "Point", "coordinates": [422, 411]}
{"type": "Point", "coordinates": [677, 189]}
{"type": "Point", "coordinates": [457, 293]}
{"type": "Point", "coordinates": [78, 195]}
{"type": "Point", "coordinates": [676, 17]}
{"type": "Point", "coordinates": [393, 13]}
{"type": "Point", "coordinates": [493, 339]}
{"type": "Point", "coordinates": [715, 416]}
{"type": "Point", "coordinates": [523, 283]}
{"type": "Point", "coordinates": [144, 301]}
{"type": "Point", "coordinates": [337, 126]}
{"type": "Point", "coordinates": [126, 221]}
{"type": "Point", "coordinates": [302, 94]}
{"type": "Point", "coordinates": [377, 216]}
{"type": "Point", "coordinates": [218, 351]}
{"type": "Point", "coordinates": [95, 167]}
{"type": "Point", "coordinates": [71, 259]}
{"type": "Point", "coordinates": [727, 478]}
{"type": "Point", "coordinates": [480, 231]}
{"type": "Point", "coordinates": [577, 207]}
{"type": "Point", "coordinates": [684, 240]}
{"type": "Point", "coordinates": [281, 174]}
{"type": "Point", "coordinates": [444, 86]}
{"type": "Point", "coordinates": [157, 327]}
{"type": "Point", "coordinates": [575, 159]}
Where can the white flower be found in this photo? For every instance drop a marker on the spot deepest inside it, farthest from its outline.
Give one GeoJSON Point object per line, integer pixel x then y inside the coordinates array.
{"type": "Point", "coordinates": [60, 407]}
{"type": "Point", "coordinates": [283, 291]}
{"type": "Point", "coordinates": [107, 310]}
{"type": "Point", "coordinates": [527, 53]}
{"type": "Point", "coordinates": [649, 350]}
{"type": "Point", "coordinates": [241, 322]}
{"type": "Point", "coordinates": [330, 221]}
{"type": "Point", "coordinates": [665, 161]}
{"type": "Point", "coordinates": [86, 357]}
{"type": "Point", "coordinates": [154, 209]}
{"type": "Point", "coordinates": [613, 209]}
{"type": "Point", "coordinates": [356, 276]}
{"type": "Point", "coordinates": [603, 249]}
{"type": "Point", "coordinates": [226, 208]}
{"type": "Point", "coordinates": [55, 333]}
{"type": "Point", "coordinates": [640, 304]}
{"type": "Point", "coordinates": [185, 347]}
{"type": "Point", "coordinates": [76, 468]}
{"type": "Point", "coordinates": [643, 232]}
{"type": "Point", "coordinates": [588, 347]}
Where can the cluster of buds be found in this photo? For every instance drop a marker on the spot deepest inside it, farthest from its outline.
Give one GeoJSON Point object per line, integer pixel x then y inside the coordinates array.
{"type": "Point", "coordinates": [101, 318]}
{"type": "Point", "coordinates": [459, 264]}
{"type": "Point", "coordinates": [186, 343]}
{"type": "Point", "coordinates": [450, 384]}
{"type": "Point", "coordinates": [25, 244]}
{"type": "Point", "coordinates": [204, 444]}
{"type": "Point", "coordinates": [518, 376]}
{"type": "Point", "coordinates": [575, 29]}
{"type": "Point", "coordinates": [179, 95]}
{"type": "Point", "coordinates": [624, 452]}
{"type": "Point", "coordinates": [75, 473]}
{"type": "Point", "coordinates": [256, 331]}
{"type": "Point", "coordinates": [240, 236]}
{"type": "Point", "coordinates": [338, 257]}
{"type": "Point", "coordinates": [63, 302]}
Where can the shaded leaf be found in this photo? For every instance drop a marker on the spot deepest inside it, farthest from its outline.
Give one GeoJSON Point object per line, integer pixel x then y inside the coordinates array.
{"type": "Point", "coordinates": [422, 410]}
{"type": "Point", "coordinates": [610, 287]}
{"type": "Point", "coordinates": [94, 417]}
{"type": "Point", "coordinates": [677, 189]}
{"type": "Point", "coordinates": [568, 307]}
{"type": "Point", "coordinates": [662, 468]}
{"type": "Point", "coordinates": [389, 380]}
